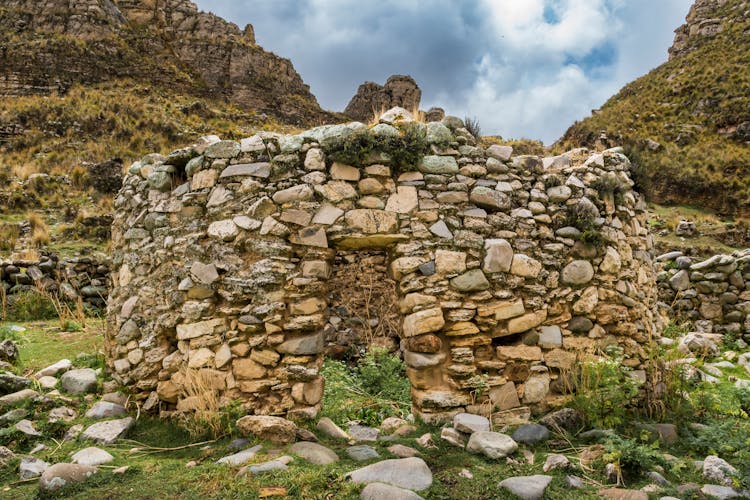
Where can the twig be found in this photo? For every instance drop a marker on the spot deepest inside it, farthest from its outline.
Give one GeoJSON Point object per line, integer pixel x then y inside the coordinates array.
{"type": "Point", "coordinates": [21, 481]}
{"type": "Point", "coordinates": [155, 449]}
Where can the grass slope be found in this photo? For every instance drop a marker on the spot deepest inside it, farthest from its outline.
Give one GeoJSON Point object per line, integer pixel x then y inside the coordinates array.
{"type": "Point", "coordinates": [688, 106]}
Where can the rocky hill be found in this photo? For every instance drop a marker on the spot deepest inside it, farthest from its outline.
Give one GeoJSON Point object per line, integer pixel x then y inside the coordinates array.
{"type": "Point", "coordinates": [372, 98]}
{"type": "Point", "coordinates": [687, 122]}
{"type": "Point", "coordinates": [73, 74]}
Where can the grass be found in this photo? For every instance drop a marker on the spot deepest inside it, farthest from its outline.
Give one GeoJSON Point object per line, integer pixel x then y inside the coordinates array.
{"type": "Point", "coordinates": [157, 452]}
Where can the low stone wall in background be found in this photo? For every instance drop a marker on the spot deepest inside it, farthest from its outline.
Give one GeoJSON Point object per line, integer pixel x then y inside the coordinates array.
{"type": "Point", "coordinates": [70, 279]}
{"type": "Point", "coordinates": [509, 270]}
{"type": "Point", "coordinates": [712, 295]}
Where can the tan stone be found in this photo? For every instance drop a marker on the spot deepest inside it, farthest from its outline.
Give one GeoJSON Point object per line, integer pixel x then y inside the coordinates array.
{"type": "Point", "coordinates": [167, 391]}
{"type": "Point", "coordinates": [520, 353]}
{"type": "Point", "coordinates": [240, 350]}
{"type": "Point", "coordinates": [223, 356]}
{"type": "Point", "coordinates": [194, 330]}
{"type": "Point", "coordinates": [266, 357]}
{"type": "Point", "coordinates": [535, 389]}
{"type": "Point", "coordinates": [514, 416]}
{"type": "Point", "coordinates": [588, 301]}
{"type": "Point", "coordinates": [200, 358]}
{"type": "Point", "coordinates": [204, 179]}
{"type": "Point", "coordinates": [447, 262]}
{"type": "Point", "coordinates": [372, 221]}
{"type": "Point", "coordinates": [527, 321]}
{"type": "Point", "coordinates": [427, 321]}
{"type": "Point", "coordinates": [414, 300]}
{"type": "Point", "coordinates": [308, 392]}
{"type": "Point", "coordinates": [342, 172]}
{"type": "Point", "coordinates": [308, 306]}
{"type": "Point", "coordinates": [405, 265]}
{"type": "Point", "coordinates": [316, 269]}
{"type": "Point", "coordinates": [611, 263]}
{"type": "Point", "coordinates": [310, 236]}
{"type": "Point", "coordinates": [294, 216]}
{"type": "Point", "coordinates": [404, 201]}
{"type": "Point", "coordinates": [245, 368]}
{"type": "Point", "coordinates": [274, 429]}
{"type": "Point", "coordinates": [336, 191]}
{"type": "Point", "coordinates": [502, 310]}
{"type": "Point", "coordinates": [370, 186]}
{"type": "Point", "coordinates": [505, 396]}
{"type": "Point", "coordinates": [523, 265]}
{"type": "Point", "coordinates": [462, 328]}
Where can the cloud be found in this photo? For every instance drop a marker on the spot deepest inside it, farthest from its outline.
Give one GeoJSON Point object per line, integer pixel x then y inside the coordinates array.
{"type": "Point", "coordinates": [524, 68]}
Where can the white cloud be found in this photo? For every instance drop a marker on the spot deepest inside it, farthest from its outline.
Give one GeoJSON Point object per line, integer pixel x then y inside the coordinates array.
{"type": "Point", "coordinates": [524, 68]}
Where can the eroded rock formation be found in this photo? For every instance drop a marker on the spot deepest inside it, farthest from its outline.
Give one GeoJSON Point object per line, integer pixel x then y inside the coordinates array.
{"type": "Point", "coordinates": [51, 45]}
{"type": "Point", "coordinates": [372, 98]}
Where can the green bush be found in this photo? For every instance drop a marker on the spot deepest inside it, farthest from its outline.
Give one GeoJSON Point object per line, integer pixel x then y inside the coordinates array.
{"type": "Point", "coordinates": [375, 389]}
{"type": "Point", "coordinates": [404, 150]}
{"type": "Point", "coordinates": [604, 393]}
{"type": "Point", "coordinates": [728, 438]}
{"type": "Point", "coordinates": [30, 306]}
{"type": "Point", "coordinates": [632, 457]}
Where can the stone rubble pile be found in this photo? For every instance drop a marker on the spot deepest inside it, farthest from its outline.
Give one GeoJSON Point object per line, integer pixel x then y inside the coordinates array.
{"type": "Point", "coordinates": [509, 269]}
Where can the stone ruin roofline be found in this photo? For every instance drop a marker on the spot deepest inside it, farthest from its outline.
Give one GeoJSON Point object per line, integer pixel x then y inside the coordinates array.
{"type": "Point", "coordinates": [222, 251]}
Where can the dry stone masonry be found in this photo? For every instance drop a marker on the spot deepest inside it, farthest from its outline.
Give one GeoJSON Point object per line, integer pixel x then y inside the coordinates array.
{"type": "Point", "coordinates": [711, 294]}
{"type": "Point", "coordinates": [509, 269]}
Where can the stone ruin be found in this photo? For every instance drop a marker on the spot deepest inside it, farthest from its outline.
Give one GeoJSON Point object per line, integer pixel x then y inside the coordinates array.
{"type": "Point", "coordinates": [509, 269]}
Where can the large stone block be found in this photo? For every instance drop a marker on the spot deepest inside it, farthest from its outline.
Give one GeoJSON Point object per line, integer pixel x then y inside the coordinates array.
{"type": "Point", "coordinates": [427, 321]}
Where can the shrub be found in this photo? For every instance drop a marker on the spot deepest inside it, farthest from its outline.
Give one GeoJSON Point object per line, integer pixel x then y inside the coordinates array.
{"type": "Point", "coordinates": [472, 125]}
{"type": "Point", "coordinates": [9, 234]}
{"type": "Point", "coordinates": [29, 306]}
{"type": "Point", "coordinates": [370, 392]}
{"type": "Point", "coordinates": [632, 457]}
{"type": "Point", "coordinates": [604, 392]}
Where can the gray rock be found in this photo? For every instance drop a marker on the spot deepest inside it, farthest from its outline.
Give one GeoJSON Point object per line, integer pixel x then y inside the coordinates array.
{"type": "Point", "coordinates": [363, 433]}
{"type": "Point", "coordinates": [574, 482]}
{"type": "Point", "coordinates": [31, 467]}
{"type": "Point", "coordinates": [578, 272]}
{"type": "Point", "coordinates": [27, 427]}
{"type": "Point", "coordinates": [381, 491]}
{"type": "Point", "coordinates": [722, 492]}
{"type": "Point", "coordinates": [452, 436]}
{"type": "Point", "coordinates": [657, 478]}
{"type": "Point", "coordinates": [105, 409]}
{"type": "Point", "coordinates": [490, 199]}
{"type": "Point", "coordinates": [527, 487]}
{"type": "Point", "coordinates": [555, 461]}
{"type": "Point", "coordinates": [8, 351]}
{"type": "Point", "coordinates": [566, 418]}
{"type": "Point", "coordinates": [493, 445]}
{"type": "Point", "coordinates": [17, 397]}
{"type": "Point", "coordinates": [60, 475]}
{"type": "Point", "coordinates": [531, 434]}
{"type": "Point", "coordinates": [12, 416]}
{"type": "Point", "coordinates": [241, 457]}
{"type": "Point", "coordinates": [6, 456]}
{"type": "Point", "coordinates": [719, 470]}
{"type": "Point", "coordinates": [109, 431]}
{"type": "Point", "coordinates": [61, 413]}
{"type": "Point", "coordinates": [92, 456]}
{"type": "Point", "coordinates": [314, 453]}
{"type": "Point", "coordinates": [80, 381]}
{"type": "Point", "coordinates": [470, 281]}
{"type": "Point", "coordinates": [12, 383]}
{"type": "Point", "coordinates": [409, 473]}
{"type": "Point", "coordinates": [432, 164]}
{"type": "Point", "coordinates": [276, 464]}
{"type": "Point", "coordinates": [362, 452]}
{"type": "Point", "coordinates": [680, 281]}
{"type": "Point", "coordinates": [468, 423]}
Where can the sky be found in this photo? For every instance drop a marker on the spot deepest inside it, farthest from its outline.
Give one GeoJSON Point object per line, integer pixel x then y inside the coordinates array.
{"type": "Point", "coordinates": [522, 68]}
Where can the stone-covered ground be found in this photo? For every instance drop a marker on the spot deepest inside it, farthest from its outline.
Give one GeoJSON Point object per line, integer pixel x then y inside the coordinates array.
{"type": "Point", "coordinates": [61, 425]}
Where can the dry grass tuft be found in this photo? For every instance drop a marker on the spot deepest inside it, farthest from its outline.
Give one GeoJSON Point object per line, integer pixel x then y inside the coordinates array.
{"type": "Point", "coordinates": [207, 417]}
{"type": "Point", "coordinates": [9, 234]}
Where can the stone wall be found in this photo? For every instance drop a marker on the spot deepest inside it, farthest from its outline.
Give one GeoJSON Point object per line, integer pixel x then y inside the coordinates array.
{"type": "Point", "coordinates": [712, 295]}
{"type": "Point", "coordinates": [71, 278]}
{"type": "Point", "coordinates": [222, 253]}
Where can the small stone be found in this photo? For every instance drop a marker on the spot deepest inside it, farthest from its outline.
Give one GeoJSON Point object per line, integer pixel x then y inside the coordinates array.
{"type": "Point", "coordinates": [718, 470]}
{"type": "Point", "coordinates": [314, 453]}
{"type": "Point", "coordinates": [402, 451]}
{"type": "Point", "coordinates": [276, 464]}
{"type": "Point", "coordinates": [330, 429]}
{"type": "Point", "coordinates": [92, 456]}
{"type": "Point", "coordinates": [493, 445]}
{"type": "Point", "coordinates": [80, 381]}
{"type": "Point", "coordinates": [470, 281]}
{"type": "Point", "coordinates": [31, 467]}
{"type": "Point", "coordinates": [527, 487]}
{"type": "Point", "coordinates": [578, 272]}
{"type": "Point", "coordinates": [55, 369]}
{"type": "Point", "coordinates": [105, 409]}
{"type": "Point", "coordinates": [241, 457]}
{"type": "Point", "coordinates": [381, 491]}
{"type": "Point", "coordinates": [556, 461]}
{"type": "Point", "coordinates": [274, 429]}
{"type": "Point", "coordinates": [468, 423]}
{"type": "Point", "coordinates": [409, 473]}
{"type": "Point", "coordinates": [109, 431]}
{"type": "Point", "coordinates": [531, 434]}
{"type": "Point", "coordinates": [452, 436]}
{"type": "Point", "coordinates": [363, 433]}
{"type": "Point", "coordinates": [27, 427]}
{"type": "Point", "coordinates": [362, 452]}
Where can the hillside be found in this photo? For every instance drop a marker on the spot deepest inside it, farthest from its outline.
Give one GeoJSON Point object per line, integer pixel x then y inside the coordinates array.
{"type": "Point", "coordinates": [92, 79]}
{"type": "Point", "coordinates": [686, 124]}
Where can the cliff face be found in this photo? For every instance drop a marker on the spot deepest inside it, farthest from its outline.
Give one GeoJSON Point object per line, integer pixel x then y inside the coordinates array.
{"type": "Point", "coordinates": [50, 45]}
{"type": "Point", "coordinates": [687, 123]}
{"type": "Point", "coordinates": [372, 99]}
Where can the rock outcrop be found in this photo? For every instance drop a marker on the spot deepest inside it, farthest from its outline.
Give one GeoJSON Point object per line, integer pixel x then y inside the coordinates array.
{"type": "Point", "coordinates": [49, 46]}
{"type": "Point", "coordinates": [703, 20]}
{"type": "Point", "coordinates": [221, 266]}
{"type": "Point", "coordinates": [372, 99]}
